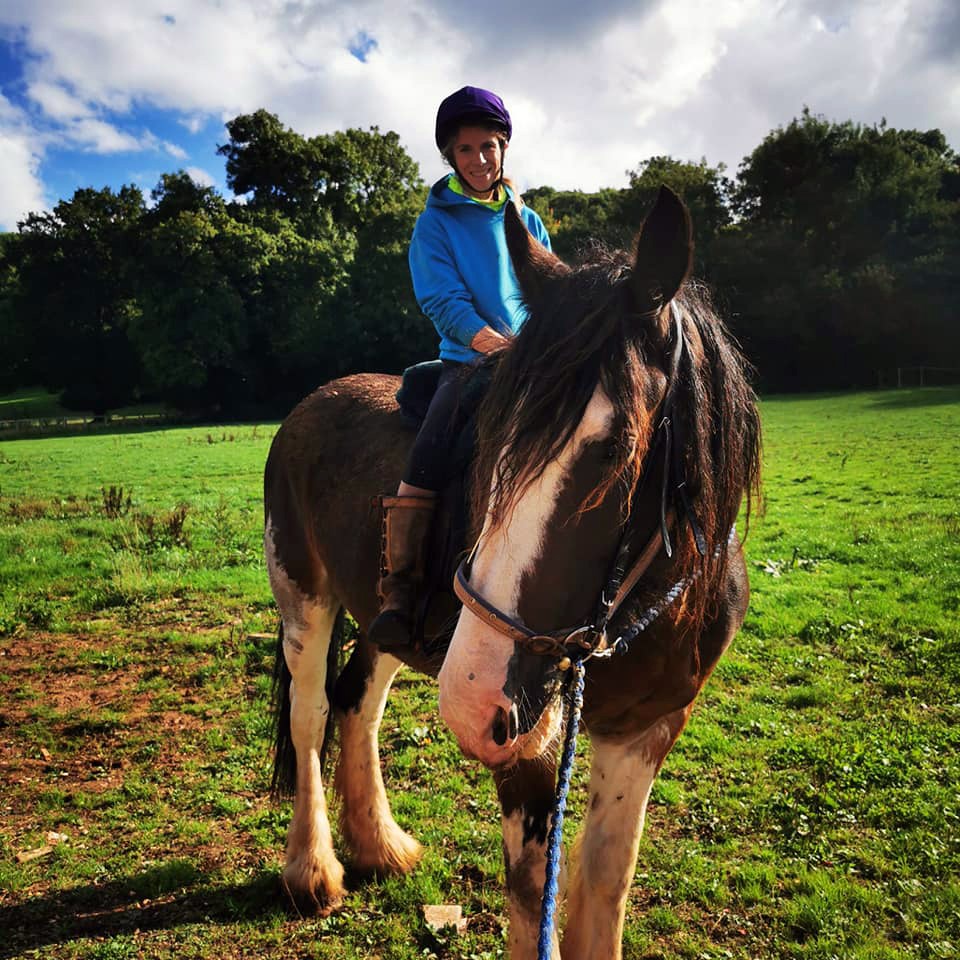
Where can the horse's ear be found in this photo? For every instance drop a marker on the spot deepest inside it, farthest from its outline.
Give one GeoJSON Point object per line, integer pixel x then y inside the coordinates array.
{"type": "Point", "coordinates": [534, 265]}
{"type": "Point", "coordinates": [664, 251]}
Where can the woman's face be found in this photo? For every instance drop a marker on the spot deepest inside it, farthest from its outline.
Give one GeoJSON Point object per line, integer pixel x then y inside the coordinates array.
{"type": "Point", "coordinates": [478, 159]}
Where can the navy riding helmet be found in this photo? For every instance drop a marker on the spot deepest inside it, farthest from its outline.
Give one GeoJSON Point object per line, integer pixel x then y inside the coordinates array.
{"type": "Point", "coordinates": [470, 104]}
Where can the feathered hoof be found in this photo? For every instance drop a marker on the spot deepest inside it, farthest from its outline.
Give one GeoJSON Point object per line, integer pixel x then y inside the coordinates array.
{"type": "Point", "coordinates": [314, 889]}
{"type": "Point", "coordinates": [394, 852]}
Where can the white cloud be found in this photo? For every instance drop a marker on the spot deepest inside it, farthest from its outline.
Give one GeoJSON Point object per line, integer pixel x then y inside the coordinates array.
{"type": "Point", "coordinates": [594, 89]}
{"type": "Point", "coordinates": [199, 175]}
{"type": "Point", "coordinates": [21, 190]}
{"type": "Point", "coordinates": [98, 136]}
{"type": "Point", "coordinates": [194, 123]}
{"type": "Point", "coordinates": [56, 102]}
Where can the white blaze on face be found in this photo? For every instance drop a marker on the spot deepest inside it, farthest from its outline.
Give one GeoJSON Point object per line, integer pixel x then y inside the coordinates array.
{"type": "Point", "coordinates": [475, 669]}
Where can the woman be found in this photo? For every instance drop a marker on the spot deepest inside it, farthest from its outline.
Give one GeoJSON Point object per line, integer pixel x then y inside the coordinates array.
{"type": "Point", "coordinates": [464, 282]}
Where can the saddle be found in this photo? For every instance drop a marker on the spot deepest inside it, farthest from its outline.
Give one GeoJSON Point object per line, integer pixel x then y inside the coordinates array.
{"type": "Point", "coordinates": [435, 613]}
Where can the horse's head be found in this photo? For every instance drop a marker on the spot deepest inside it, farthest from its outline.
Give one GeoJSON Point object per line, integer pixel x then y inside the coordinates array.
{"type": "Point", "coordinates": [562, 440]}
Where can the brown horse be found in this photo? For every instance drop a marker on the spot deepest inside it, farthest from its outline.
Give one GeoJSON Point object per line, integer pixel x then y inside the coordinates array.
{"type": "Point", "coordinates": [572, 473]}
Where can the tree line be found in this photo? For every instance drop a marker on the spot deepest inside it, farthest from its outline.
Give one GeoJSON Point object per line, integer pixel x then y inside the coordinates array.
{"type": "Point", "coordinates": [834, 252]}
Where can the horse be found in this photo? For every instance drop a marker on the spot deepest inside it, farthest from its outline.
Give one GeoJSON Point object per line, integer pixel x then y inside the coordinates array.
{"type": "Point", "coordinates": [619, 432]}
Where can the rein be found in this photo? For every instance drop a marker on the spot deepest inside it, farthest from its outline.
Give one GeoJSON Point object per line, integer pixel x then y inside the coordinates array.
{"type": "Point", "coordinates": [573, 695]}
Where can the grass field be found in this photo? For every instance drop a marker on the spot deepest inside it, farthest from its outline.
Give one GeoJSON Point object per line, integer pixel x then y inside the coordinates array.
{"type": "Point", "coordinates": [809, 811]}
{"type": "Point", "coordinates": [37, 402]}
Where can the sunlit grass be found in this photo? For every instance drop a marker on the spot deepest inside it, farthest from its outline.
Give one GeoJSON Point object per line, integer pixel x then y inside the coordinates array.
{"type": "Point", "coordinates": [808, 811]}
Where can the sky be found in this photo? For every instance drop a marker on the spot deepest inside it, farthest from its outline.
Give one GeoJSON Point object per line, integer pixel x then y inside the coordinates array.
{"type": "Point", "coordinates": [107, 92]}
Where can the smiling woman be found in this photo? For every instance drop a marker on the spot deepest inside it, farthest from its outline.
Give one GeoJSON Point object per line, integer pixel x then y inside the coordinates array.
{"type": "Point", "coordinates": [477, 155]}
{"type": "Point", "coordinates": [465, 284]}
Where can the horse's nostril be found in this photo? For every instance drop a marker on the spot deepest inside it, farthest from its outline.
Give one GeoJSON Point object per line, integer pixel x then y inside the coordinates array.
{"type": "Point", "coordinates": [499, 729]}
{"type": "Point", "coordinates": [514, 722]}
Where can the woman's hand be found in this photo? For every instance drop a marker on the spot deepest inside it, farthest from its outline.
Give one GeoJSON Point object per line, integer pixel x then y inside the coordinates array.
{"type": "Point", "coordinates": [487, 340]}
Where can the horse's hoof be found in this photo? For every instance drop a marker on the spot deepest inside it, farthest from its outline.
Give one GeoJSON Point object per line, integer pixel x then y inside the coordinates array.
{"type": "Point", "coordinates": [318, 899]}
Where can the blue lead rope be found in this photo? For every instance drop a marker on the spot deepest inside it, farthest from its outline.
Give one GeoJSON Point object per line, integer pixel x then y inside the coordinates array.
{"type": "Point", "coordinates": [548, 905]}
{"type": "Point", "coordinates": [574, 696]}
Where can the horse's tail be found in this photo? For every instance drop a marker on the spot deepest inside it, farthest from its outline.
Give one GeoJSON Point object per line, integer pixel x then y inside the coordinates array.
{"type": "Point", "coordinates": [284, 779]}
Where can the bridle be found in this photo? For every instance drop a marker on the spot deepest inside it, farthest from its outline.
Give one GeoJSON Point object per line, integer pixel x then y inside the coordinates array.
{"type": "Point", "coordinates": [577, 644]}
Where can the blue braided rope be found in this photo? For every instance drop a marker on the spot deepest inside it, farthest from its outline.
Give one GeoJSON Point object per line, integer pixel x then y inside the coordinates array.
{"type": "Point", "coordinates": [548, 905]}
{"type": "Point", "coordinates": [668, 599]}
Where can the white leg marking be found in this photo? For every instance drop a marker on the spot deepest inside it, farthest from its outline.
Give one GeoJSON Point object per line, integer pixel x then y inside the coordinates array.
{"type": "Point", "coordinates": [313, 876]}
{"type": "Point", "coordinates": [526, 869]}
{"type": "Point", "coordinates": [605, 855]}
{"type": "Point", "coordinates": [367, 824]}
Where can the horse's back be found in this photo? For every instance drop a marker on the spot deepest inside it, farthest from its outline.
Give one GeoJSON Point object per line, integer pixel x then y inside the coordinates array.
{"type": "Point", "coordinates": [348, 429]}
{"type": "Point", "coordinates": [336, 451]}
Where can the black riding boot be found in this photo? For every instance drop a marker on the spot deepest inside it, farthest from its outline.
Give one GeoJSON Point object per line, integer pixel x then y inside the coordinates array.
{"type": "Point", "coordinates": [406, 531]}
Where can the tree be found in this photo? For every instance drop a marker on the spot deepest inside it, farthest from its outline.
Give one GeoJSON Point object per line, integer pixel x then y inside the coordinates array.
{"type": "Point", "coordinates": [837, 263]}
{"type": "Point", "coordinates": [354, 175]}
{"type": "Point", "coordinates": [272, 163]}
{"type": "Point", "coordinates": [362, 185]}
{"type": "Point", "coordinates": [576, 221]}
{"type": "Point", "coordinates": [704, 189]}
{"type": "Point", "coordinates": [179, 193]}
{"type": "Point", "coordinates": [74, 295]}
{"type": "Point", "coordinates": [230, 311]}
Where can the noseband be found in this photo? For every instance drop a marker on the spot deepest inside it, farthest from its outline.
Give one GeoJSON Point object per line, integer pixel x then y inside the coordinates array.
{"type": "Point", "coordinates": [576, 644]}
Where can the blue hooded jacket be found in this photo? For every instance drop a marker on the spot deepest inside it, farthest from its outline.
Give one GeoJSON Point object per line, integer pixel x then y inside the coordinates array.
{"type": "Point", "coordinates": [462, 275]}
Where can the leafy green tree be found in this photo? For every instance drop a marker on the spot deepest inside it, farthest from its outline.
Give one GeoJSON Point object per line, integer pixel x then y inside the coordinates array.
{"type": "Point", "coordinates": [362, 185]}
{"type": "Point", "coordinates": [703, 188]}
{"type": "Point", "coordinates": [74, 295]}
{"type": "Point", "coordinates": [837, 266]}
{"type": "Point", "coordinates": [272, 163]}
{"type": "Point", "coordinates": [577, 221]}
{"type": "Point", "coordinates": [354, 175]}
{"type": "Point", "coordinates": [16, 370]}
{"type": "Point", "coordinates": [178, 193]}
{"type": "Point", "coordinates": [229, 310]}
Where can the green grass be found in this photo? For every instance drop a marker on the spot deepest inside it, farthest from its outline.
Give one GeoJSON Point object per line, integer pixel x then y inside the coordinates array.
{"type": "Point", "coordinates": [809, 810]}
{"type": "Point", "coordinates": [30, 403]}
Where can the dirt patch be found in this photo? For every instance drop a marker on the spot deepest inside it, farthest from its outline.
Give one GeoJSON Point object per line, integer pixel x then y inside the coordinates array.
{"type": "Point", "coordinates": [130, 741]}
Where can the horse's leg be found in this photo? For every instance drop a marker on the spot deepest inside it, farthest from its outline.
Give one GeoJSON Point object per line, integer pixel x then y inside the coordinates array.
{"type": "Point", "coordinates": [605, 855]}
{"type": "Point", "coordinates": [526, 793]}
{"type": "Point", "coordinates": [377, 842]}
{"type": "Point", "coordinates": [313, 876]}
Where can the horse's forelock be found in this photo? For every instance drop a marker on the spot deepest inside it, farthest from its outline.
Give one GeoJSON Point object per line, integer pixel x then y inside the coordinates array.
{"type": "Point", "coordinates": [581, 335]}
{"type": "Point", "coordinates": [586, 332]}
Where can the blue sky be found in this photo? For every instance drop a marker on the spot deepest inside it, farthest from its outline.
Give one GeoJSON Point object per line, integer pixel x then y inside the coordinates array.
{"type": "Point", "coordinates": [106, 92]}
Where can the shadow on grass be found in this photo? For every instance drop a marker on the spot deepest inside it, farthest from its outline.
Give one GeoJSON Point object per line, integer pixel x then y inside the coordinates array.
{"type": "Point", "coordinates": [918, 397]}
{"type": "Point", "coordinates": [120, 907]}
